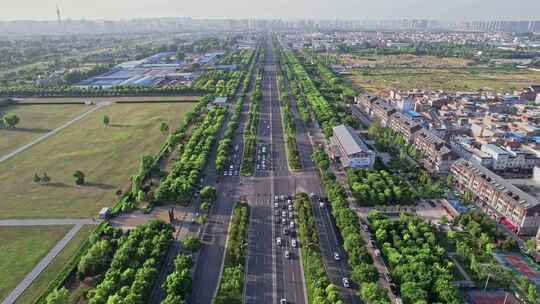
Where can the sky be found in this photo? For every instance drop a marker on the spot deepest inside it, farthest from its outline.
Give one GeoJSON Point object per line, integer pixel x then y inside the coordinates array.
{"type": "Point", "coordinates": [447, 10]}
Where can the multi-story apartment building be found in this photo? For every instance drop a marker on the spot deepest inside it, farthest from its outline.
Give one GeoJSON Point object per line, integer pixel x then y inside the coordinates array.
{"type": "Point", "coordinates": [437, 155]}
{"type": "Point", "coordinates": [404, 125]}
{"type": "Point", "coordinates": [503, 201]}
{"type": "Point", "coordinates": [509, 159]}
{"type": "Point", "coordinates": [376, 107]}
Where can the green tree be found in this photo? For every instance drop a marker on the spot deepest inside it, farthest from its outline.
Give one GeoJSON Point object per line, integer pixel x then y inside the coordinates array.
{"type": "Point", "coordinates": [192, 243]}
{"type": "Point", "coordinates": [205, 207]}
{"type": "Point", "coordinates": [164, 127]}
{"type": "Point", "coordinates": [58, 296]}
{"type": "Point", "coordinates": [209, 194]}
{"type": "Point", "coordinates": [79, 177]}
{"type": "Point", "coordinates": [37, 179]}
{"type": "Point", "coordinates": [10, 120]}
{"type": "Point", "coordinates": [45, 179]}
{"type": "Point", "coordinates": [106, 120]}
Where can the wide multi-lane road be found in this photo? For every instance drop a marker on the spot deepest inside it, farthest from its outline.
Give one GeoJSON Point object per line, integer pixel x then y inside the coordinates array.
{"type": "Point", "coordinates": [308, 180]}
{"type": "Point", "coordinates": [210, 258]}
{"type": "Point", "coordinates": [270, 276]}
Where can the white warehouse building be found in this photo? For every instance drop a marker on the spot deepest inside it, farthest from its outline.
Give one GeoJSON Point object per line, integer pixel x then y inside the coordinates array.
{"type": "Point", "coordinates": [349, 148]}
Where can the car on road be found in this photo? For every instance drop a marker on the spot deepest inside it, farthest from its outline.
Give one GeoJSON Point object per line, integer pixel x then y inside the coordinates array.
{"type": "Point", "coordinates": [293, 243]}
{"type": "Point", "coordinates": [377, 252]}
{"type": "Point", "coordinates": [287, 254]}
{"type": "Point", "coordinates": [321, 204]}
{"type": "Point", "coordinates": [336, 256]}
{"type": "Point", "coordinates": [276, 205]}
{"type": "Point", "coordinates": [282, 197]}
{"type": "Point", "coordinates": [290, 208]}
{"type": "Point", "coordinates": [285, 231]}
{"type": "Point", "coordinates": [284, 213]}
{"type": "Point", "coordinates": [291, 224]}
{"type": "Point", "coordinates": [291, 214]}
{"type": "Point", "coordinates": [283, 221]}
{"type": "Point", "coordinates": [289, 202]}
{"type": "Point", "coordinates": [282, 301]}
{"type": "Point", "coordinates": [346, 283]}
{"type": "Point", "coordinates": [278, 241]}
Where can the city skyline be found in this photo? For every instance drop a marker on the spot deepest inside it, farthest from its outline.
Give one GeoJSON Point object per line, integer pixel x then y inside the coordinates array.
{"type": "Point", "coordinates": [460, 10]}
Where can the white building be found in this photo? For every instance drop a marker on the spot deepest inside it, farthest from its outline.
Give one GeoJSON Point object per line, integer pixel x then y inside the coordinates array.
{"type": "Point", "coordinates": [349, 148]}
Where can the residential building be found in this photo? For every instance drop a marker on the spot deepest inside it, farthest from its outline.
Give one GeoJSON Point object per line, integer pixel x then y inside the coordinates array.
{"type": "Point", "coordinates": [404, 125]}
{"type": "Point", "coordinates": [349, 149]}
{"type": "Point", "coordinates": [437, 155]}
{"type": "Point", "coordinates": [501, 200]}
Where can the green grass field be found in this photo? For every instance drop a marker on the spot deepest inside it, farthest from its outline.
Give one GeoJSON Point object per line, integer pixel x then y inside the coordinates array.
{"type": "Point", "coordinates": [107, 155]}
{"type": "Point", "coordinates": [21, 248]}
{"type": "Point", "coordinates": [35, 121]}
{"type": "Point", "coordinates": [49, 274]}
{"type": "Point", "coordinates": [380, 74]}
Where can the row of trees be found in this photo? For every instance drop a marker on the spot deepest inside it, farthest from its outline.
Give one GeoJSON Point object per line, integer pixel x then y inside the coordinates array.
{"type": "Point", "coordinates": [134, 266]}
{"type": "Point", "coordinates": [232, 280]}
{"type": "Point", "coordinates": [324, 110]}
{"type": "Point", "coordinates": [363, 270]}
{"type": "Point", "coordinates": [71, 91]}
{"type": "Point", "coordinates": [405, 155]}
{"type": "Point", "coordinates": [148, 163]}
{"type": "Point", "coordinates": [178, 284]}
{"type": "Point", "coordinates": [371, 187]}
{"type": "Point", "coordinates": [416, 259]}
{"type": "Point", "coordinates": [293, 84]}
{"type": "Point", "coordinates": [239, 57]}
{"type": "Point", "coordinates": [250, 128]}
{"type": "Point", "coordinates": [332, 86]}
{"type": "Point", "coordinates": [224, 147]}
{"type": "Point", "coordinates": [293, 156]}
{"type": "Point", "coordinates": [180, 183]}
{"type": "Point", "coordinates": [218, 82]}
{"type": "Point", "coordinates": [320, 289]}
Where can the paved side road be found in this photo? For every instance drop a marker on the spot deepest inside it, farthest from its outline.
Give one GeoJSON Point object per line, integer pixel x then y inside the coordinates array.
{"type": "Point", "coordinates": [49, 222]}
{"type": "Point", "coordinates": [49, 134]}
{"type": "Point", "coordinates": [12, 297]}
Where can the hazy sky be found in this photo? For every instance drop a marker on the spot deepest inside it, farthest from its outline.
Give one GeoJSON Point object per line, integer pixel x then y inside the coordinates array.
{"type": "Point", "coordinates": [328, 9]}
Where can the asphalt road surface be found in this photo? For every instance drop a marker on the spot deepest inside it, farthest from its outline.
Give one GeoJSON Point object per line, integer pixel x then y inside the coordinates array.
{"type": "Point", "coordinates": [229, 188]}
{"type": "Point", "coordinates": [308, 180]}
{"type": "Point", "coordinates": [270, 276]}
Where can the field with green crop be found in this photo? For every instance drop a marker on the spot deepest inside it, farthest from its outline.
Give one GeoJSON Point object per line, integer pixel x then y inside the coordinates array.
{"type": "Point", "coordinates": [107, 155]}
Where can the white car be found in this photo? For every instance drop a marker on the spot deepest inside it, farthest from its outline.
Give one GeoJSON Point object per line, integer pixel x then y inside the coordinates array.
{"type": "Point", "coordinates": [282, 301]}
{"type": "Point", "coordinates": [291, 215]}
{"type": "Point", "coordinates": [287, 254]}
{"type": "Point", "coordinates": [346, 283]}
{"type": "Point", "coordinates": [291, 224]}
{"type": "Point", "coordinates": [284, 214]}
{"type": "Point", "coordinates": [278, 241]}
{"type": "Point", "coordinates": [321, 204]}
{"type": "Point", "coordinates": [293, 243]}
{"type": "Point", "coordinates": [290, 207]}
{"type": "Point", "coordinates": [336, 256]}
{"type": "Point", "coordinates": [276, 205]}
